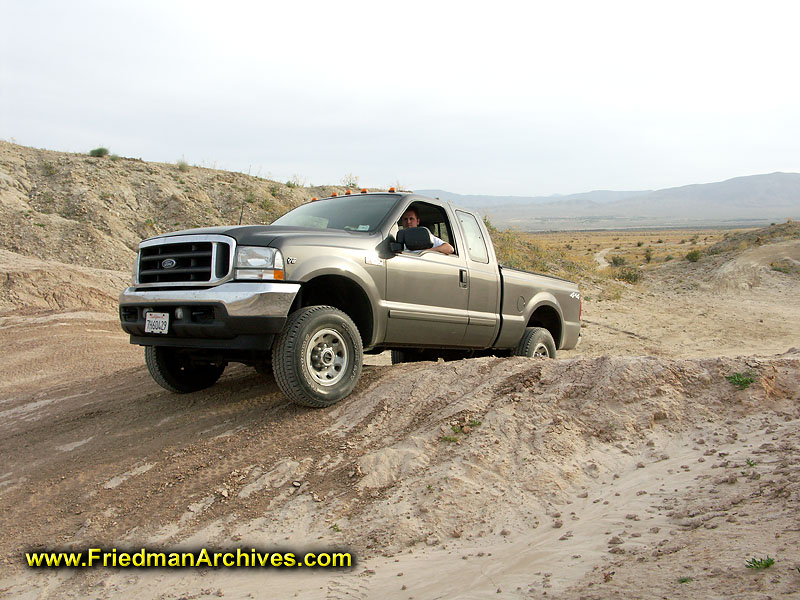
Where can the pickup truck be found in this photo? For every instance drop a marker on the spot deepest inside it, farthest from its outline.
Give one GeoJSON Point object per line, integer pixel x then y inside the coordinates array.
{"type": "Point", "coordinates": [308, 295]}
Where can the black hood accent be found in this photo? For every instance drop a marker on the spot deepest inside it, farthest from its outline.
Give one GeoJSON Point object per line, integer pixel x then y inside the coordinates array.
{"type": "Point", "coordinates": [263, 235]}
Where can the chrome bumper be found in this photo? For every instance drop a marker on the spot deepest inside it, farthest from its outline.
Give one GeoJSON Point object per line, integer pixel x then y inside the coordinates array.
{"type": "Point", "coordinates": [240, 299]}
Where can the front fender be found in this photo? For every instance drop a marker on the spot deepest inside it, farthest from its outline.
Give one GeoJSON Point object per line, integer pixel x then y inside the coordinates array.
{"type": "Point", "coordinates": [371, 278]}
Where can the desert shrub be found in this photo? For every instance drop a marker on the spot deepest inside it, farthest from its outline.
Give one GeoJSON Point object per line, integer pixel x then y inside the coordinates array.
{"type": "Point", "coordinates": [49, 168]}
{"type": "Point", "coordinates": [617, 261]}
{"type": "Point", "coordinates": [629, 274]}
{"type": "Point", "coordinates": [668, 257]}
{"type": "Point", "coordinates": [693, 256]}
{"type": "Point", "coordinates": [784, 266]}
{"type": "Point", "coordinates": [115, 157]}
{"type": "Point", "coordinates": [760, 563]}
{"type": "Point", "coordinates": [741, 380]}
{"type": "Point", "coordinates": [98, 152]}
{"type": "Point", "coordinates": [183, 166]}
{"type": "Point", "coordinates": [350, 181]}
{"type": "Point", "coordinates": [296, 181]}
{"type": "Point", "coordinates": [639, 244]}
{"type": "Point", "coordinates": [648, 254]}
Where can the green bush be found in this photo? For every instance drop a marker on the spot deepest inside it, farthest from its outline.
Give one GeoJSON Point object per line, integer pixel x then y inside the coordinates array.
{"type": "Point", "coordinates": [617, 261]}
{"type": "Point", "coordinates": [98, 152]}
{"type": "Point", "coordinates": [628, 274]}
{"type": "Point", "coordinates": [693, 256]}
{"type": "Point", "coordinates": [760, 563]}
{"type": "Point", "coordinates": [741, 380]}
{"type": "Point", "coordinates": [183, 166]}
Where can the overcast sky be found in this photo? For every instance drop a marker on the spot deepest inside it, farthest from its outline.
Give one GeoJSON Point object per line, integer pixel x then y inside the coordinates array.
{"type": "Point", "coordinates": [492, 97]}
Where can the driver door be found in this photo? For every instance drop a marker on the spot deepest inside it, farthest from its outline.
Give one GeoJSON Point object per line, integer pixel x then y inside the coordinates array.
{"type": "Point", "coordinates": [427, 293]}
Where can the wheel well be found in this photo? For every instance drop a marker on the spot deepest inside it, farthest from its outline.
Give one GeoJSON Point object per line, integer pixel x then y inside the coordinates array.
{"type": "Point", "coordinates": [341, 293]}
{"type": "Point", "coordinates": [547, 317]}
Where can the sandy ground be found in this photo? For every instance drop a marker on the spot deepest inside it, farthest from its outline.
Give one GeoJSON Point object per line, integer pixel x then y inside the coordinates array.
{"type": "Point", "coordinates": [628, 468]}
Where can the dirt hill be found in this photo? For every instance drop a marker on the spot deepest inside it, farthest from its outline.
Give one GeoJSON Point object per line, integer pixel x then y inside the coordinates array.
{"type": "Point", "coordinates": [93, 212]}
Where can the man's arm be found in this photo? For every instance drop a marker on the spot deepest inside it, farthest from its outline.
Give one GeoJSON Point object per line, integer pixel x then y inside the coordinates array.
{"type": "Point", "coordinates": [441, 246]}
{"type": "Point", "coordinates": [444, 248]}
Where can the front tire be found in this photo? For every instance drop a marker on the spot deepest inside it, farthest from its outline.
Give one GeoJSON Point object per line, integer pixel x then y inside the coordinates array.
{"type": "Point", "coordinates": [536, 341]}
{"type": "Point", "coordinates": [317, 357]}
{"type": "Point", "coordinates": [174, 370]}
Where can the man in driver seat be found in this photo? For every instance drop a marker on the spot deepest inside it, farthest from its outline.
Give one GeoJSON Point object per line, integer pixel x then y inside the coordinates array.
{"type": "Point", "coordinates": [410, 218]}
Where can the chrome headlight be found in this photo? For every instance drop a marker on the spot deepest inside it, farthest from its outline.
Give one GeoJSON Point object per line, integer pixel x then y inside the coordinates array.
{"type": "Point", "coordinates": [256, 262]}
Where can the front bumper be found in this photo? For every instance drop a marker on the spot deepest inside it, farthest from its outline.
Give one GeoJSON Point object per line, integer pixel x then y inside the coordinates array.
{"type": "Point", "coordinates": [234, 315]}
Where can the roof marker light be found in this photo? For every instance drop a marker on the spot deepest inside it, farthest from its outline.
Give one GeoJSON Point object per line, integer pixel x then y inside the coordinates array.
{"type": "Point", "coordinates": [364, 190]}
{"type": "Point", "coordinates": [334, 194]}
{"type": "Point", "coordinates": [314, 199]}
{"type": "Point", "coordinates": [392, 190]}
{"type": "Point", "coordinates": [347, 192]}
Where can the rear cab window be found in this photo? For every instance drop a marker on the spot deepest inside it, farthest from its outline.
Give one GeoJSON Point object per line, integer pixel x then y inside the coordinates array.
{"type": "Point", "coordinates": [476, 243]}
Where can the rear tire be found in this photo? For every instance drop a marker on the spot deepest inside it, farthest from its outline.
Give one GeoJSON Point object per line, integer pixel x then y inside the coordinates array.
{"type": "Point", "coordinates": [175, 372]}
{"type": "Point", "coordinates": [536, 341]}
{"type": "Point", "coordinates": [406, 356]}
{"type": "Point", "coordinates": [264, 365]}
{"type": "Point", "coordinates": [317, 357]}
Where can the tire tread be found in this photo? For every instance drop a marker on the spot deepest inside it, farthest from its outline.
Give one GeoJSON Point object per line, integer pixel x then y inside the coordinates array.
{"type": "Point", "coordinates": [288, 375]}
{"type": "Point", "coordinates": [530, 339]}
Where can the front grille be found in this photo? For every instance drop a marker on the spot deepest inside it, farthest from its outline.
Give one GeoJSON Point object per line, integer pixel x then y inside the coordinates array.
{"type": "Point", "coordinates": [184, 260]}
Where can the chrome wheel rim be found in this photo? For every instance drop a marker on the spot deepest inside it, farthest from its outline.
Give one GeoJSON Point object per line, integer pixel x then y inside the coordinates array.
{"type": "Point", "coordinates": [541, 350]}
{"type": "Point", "coordinates": [326, 357]}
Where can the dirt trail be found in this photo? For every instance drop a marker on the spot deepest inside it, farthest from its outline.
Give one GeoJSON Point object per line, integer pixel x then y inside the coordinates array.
{"type": "Point", "coordinates": [600, 258]}
{"type": "Point", "coordinates": [630, 460]}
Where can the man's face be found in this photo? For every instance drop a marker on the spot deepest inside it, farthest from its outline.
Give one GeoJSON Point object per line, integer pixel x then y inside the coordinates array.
{"type": "Point", "coordinates": [409, 219]}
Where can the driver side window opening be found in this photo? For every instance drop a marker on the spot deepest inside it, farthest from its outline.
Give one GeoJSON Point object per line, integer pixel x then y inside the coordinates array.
{"type": "Point", "coordinates": [434, 218]}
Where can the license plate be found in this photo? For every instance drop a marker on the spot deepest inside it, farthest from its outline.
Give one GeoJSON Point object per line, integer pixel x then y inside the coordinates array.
{"type": "Point", "coordinates": [156, 322]}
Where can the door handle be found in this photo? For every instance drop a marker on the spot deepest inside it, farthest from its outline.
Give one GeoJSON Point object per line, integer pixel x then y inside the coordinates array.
{"type": "Point", "coordinates": [462, 278]}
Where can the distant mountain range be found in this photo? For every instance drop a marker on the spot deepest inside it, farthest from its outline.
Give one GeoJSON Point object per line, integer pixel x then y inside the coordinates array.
{"type": "Point", "coordinates": [751, 200]}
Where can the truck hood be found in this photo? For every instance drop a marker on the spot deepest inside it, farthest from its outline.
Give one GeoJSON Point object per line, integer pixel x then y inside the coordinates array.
{"type": "Point", "coordinates": [264, 235]}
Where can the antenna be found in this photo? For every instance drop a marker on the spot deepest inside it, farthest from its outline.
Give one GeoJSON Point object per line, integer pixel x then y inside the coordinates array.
{"type": "Point", "coordinates": [241, 212]}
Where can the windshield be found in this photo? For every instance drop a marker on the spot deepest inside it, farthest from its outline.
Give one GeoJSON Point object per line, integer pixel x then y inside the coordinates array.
{"type": "Point", "coordinates": [351, 213]}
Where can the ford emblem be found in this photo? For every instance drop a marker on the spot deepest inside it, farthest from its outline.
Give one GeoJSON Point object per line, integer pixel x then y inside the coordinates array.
{"type": "Point", "coordinates": [168, 263]}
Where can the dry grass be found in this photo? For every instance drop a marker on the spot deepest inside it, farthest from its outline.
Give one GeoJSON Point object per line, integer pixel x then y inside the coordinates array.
{"type": "Point", "coordinates": [524, 251]}
{"type": "Point", "coordinates": [571, 254]}
{"type": "Point", "coordinates": [633, 247]}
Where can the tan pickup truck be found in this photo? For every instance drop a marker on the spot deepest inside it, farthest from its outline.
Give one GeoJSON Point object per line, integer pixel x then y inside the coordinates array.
{"type": "Point", "coordinates": [331, 280]}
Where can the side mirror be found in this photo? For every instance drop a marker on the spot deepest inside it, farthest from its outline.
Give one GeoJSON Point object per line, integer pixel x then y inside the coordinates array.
{"type": "Point", "coordinates": [395, 244]}
{"type": "Point", "coordinates": [414, 238]}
